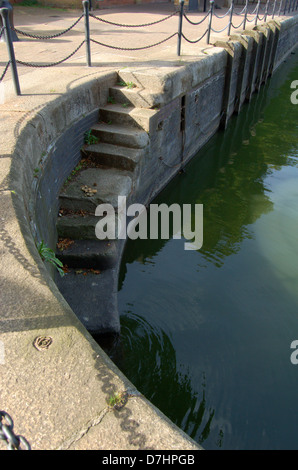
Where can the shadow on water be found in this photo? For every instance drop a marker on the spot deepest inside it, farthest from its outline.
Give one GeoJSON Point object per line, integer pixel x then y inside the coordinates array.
{"type": "Point", "coordinates": [165, 308]}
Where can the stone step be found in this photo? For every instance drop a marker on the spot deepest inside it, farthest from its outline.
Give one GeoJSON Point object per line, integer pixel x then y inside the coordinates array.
{"type": "Point", "coordinates": [77, 227]}
{"type": "Point", "coordinates": [94, 186]}
{"type": "Point", "coordinates": [137, 97]}
{"type": "Point", "coordinates": [86, 294]}
{"type": "Point", "coordinates": [153, 81]}
{"type": "Point", "coordinates": [114, 156]}
{"type": "Point", "coordinates": [124, 136]}
{"type": "Point", "coordinates": [89, 254]}
{"type": "Point", "coordinates": [131, 116]}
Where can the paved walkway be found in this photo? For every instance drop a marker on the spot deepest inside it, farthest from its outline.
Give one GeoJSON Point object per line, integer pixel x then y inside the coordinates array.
{"type": "Point", "coordinates": [43, 391]}
{"type": "Point", "coordinates": [42, 21]}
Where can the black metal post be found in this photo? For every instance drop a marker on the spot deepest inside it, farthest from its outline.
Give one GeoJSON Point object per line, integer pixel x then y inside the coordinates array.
{"type": "Point", "coordinates": [245, 14]}
{"type": "Point", "coordinates": [180, 27]}
{"type": "Point", "coordinates": [266, 11]}
{"type": "Point", "coordinates": [210, 20]}
{"type": "Point", "coordinates": [258, 11]}
{"type": "Point", "coordinates": [285, 7]}
{"type": "Point", "coordinates": [6, 4]}
{"type": "Point", "coordinates": [274, 8]}
{"type": "Point", "coordinates": [87, 32]}
{"type": "Point", "coordinates": [8, 38]}
{"type": "Point", "coordinates": [231, 18]}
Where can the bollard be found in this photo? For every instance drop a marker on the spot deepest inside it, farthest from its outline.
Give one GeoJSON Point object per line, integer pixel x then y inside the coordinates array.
{"type": "Point", "coordinates": [87, 32]}
{"type": "Point", "coordinates": [180, 27]}
{"type": "Point", "coordinates": [231, 18]}
{"type": "Point", "coordinates": [210, 21]}
{"type": "Point", "coordinates": [8, 39]}
{"type": "Point", "coordinates": [5, 4]}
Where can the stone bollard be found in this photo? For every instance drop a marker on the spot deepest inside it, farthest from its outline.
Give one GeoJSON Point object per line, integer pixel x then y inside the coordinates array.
{"type": "Point", "coordinates": [6, 4]}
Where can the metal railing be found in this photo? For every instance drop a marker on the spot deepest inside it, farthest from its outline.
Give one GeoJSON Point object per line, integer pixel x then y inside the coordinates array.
{"type": "Point", "coordinates": [277, 8]}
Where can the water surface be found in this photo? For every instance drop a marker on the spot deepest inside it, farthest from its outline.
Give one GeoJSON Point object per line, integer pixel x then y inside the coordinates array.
{"type": "Point", "coordinates": [206, 334]}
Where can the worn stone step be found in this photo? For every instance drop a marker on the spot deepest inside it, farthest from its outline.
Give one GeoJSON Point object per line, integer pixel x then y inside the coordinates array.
{"type": "Point", "coordinates": [107, 185]}
{"type": "Point", "coordinates": [114, 156]}
{"type": "Point", "coordinates": [137, 97]}
{"type": "Point", "coordinates": [122, 135]}
{"type": "Point", "coordinates": [131, 116]}
{"type": "Point", "coordinates": [86, 293]}
{"type": "Point", "coordinates": [96, 254]}
{"type": "Point", "coordinates": [152, 80]}
{"type": "Point", "coordinates": [77, 227]}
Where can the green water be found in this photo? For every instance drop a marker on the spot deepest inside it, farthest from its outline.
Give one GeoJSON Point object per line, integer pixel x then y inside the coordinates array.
{"type": "Point", "coordinates": [206, 334]}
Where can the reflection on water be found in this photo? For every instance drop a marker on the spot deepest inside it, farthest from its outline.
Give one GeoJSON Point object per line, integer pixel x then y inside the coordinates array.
{"type": "Point", "coordinates": [206, 334]}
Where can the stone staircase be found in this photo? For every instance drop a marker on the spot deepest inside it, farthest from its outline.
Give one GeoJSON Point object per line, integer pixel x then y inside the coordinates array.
{"type": "Point", "coordinates": [109, 168]}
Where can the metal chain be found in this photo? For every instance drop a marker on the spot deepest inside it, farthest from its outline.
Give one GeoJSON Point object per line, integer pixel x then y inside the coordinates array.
{"type": "Point", "coordinates": [2, 31]}
{"type": "Point", "coordinates": [132, 25]}
{"type": "Point", "coordinates": [34, 36]}
{"type": "Point", "coordinates": [221, 30]}
{"type": "Point", "coordinates": [28, 64]}
{"type": "Point", "coordinates": [7, 434]}
{"type": "Point", "coordinates": [236, 27]}
{"type": "Point", "coordinates": [134, 48]}
{"type": "Point", "coordinates": [197, 40]}
{"type": "Point", "coordinates": [5, 70]}
{"type": "Point", "coordinates": [223, 16]}
{"type": "Point", "coordinates": [199, 22]}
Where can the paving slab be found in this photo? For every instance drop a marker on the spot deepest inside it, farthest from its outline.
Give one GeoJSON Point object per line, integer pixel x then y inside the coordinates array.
{"type": "Point", "coordinates": [58, 396]}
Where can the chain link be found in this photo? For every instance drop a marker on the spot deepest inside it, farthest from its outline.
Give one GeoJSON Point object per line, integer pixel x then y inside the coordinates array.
{"type": "Point", "coordinates": [197, 40]}
{"type": "Point", "coordinates": [34, 36]}
{"type": "Point", "coordinates": [199, 22]}
{"type": "Point", "coordinates": [2, 31]}
{"type": "Point", "coordinates": [28, 64]}
{"type": "Point", "coordinates": [5, 70]}
{"type": "Point", "coordinates": [132, 25]}
{"type": "Point", "coordinates": [134, 48]}
{"type": "Point", "coordinates": [7, 434]}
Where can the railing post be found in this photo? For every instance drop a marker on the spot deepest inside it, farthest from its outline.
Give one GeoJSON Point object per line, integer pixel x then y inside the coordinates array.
{"type": "Point", "coordinates": [87, 32]}
{"type": "Point", "coordinates": [258, 10]}
{"type": "Point", "coordinates": [245, 14]}
{"type": "Point", "coordinates": [266, 11]}
{"type": "Point", "coordinates": [274, 8]}
{"type": "Point", "coordinates": [180, 27]}
{"type": "Point", "coordinates": [210, 20]}
{"type": "Point", "coordinates": [280, 5]}
{"type": "Point", "coordinates": [231, 18]}
{"type": "Point", "coordinates": [285, 7]}
{"type": "Point", "coordinates": [8, 38]}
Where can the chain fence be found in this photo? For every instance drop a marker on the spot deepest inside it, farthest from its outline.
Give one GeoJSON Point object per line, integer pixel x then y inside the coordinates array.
{"type": "Point", "coordinates": [7, 434]}
{"type": "Point", "coordinates": [268, 9]}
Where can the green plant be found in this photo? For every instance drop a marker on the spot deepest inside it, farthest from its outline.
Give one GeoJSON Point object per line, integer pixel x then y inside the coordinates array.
{"type": "Point", "coordinates": [89, 138]}
{"type": "Point", "coordinates": [48, 255]}
{"type": "Point", "coordinates": [111, 100]}
{"type": "Point", "coordinates": [130, 85]}
{"type": "Point", "coordinates": [125, 105]}
{"type": "Point", "coordinates": [121, 83]}
{"type": "Point", "coordinates": [29, 3]}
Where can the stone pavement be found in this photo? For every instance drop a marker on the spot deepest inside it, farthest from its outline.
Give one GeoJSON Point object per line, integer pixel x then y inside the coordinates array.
{"type": "Point", "coordinates": [58, 396]}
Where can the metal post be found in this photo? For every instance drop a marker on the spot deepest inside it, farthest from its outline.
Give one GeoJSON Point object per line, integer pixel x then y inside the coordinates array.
{"type": "Point", "coordinates": [274, 8]}
{"type": "Point", "coordinates": [8, 38]}
{"type": "Point", "coordinates": [6, 4]}
{"type": "Point", "coordinates": [280, 5]}
{"type": "Point", "coordinates": [87, 32]}
{"type": "Point", "coordinates": [285, 7]}
{"type": "Point", "coordinates": [258, 10]}
{"type": "Point", "coordinates": [180, 27]}
{"type": "Point", "coordinates": [245, 14]}
{"type": "Point", "coordinates": [210, 20]}
{"type": "Point", "coordinates": [266, 11]}
{"type": "Point", "coordinates": [231, 18]}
